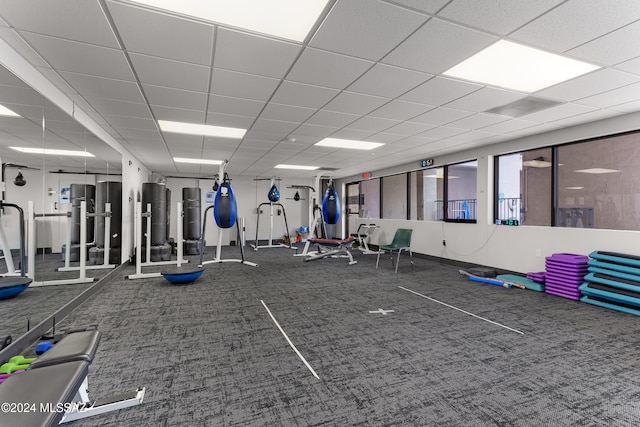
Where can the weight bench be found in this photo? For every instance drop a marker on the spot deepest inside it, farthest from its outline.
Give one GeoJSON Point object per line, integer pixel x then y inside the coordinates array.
{"type": "Point", "coordinates": [54, 390]}
{"type": "Point", "coordinates": [332, 247]}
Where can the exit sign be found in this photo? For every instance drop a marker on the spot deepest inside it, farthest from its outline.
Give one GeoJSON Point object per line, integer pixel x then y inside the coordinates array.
{"type": "Point", "coordinates": [426, 163]}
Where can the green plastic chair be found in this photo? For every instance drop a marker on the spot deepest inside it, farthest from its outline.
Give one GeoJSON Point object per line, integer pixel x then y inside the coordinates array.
{"type": "Point", "coordinates": [401, 241]}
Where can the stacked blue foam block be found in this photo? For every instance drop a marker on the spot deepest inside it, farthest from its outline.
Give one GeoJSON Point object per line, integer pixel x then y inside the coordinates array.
{"type": "Point", "coordinates": [613, 282]}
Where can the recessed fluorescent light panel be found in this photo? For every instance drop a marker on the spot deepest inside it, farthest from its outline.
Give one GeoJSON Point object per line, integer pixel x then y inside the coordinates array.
{"type": "Point", "coordinates": [206, 130]}
{"type": "Point", "coordinates": [197, 161]}
{"type": "Point", "coordinates": [4, 111]}
{"type": "Point", "coordinates": [298, 167]}
{"type": "Point", "coordinates": [597, 171]}
{"type": "Point", "coordinates": [348, 143]}
{"type": "Point", "coordinates": [517, 67]}
{"type": "Point", "coordinates": [573, 188]}
{"type": "Point", "coordinates": [50, 151]}
{"type": "Point", "coordinates": [288, 19]}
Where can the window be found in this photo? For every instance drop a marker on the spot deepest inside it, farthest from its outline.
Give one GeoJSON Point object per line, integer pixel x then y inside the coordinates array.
{"type": "Point", "coordinates": [460, 192]}
{"type": "Point", "coordinates": [370, 198]}
{"type": "Point", "coordinates": [523, 188]}
{"type": "Point", "coordinates": [394, 196]}
{"type": "Point", "coordinates": [433, 194]}
{"type": "Point", "coordinates": [597, 184]}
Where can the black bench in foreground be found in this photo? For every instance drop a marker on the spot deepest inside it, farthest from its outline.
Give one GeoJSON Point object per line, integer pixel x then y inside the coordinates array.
{"type": "Point", "coordinates": [54, 390]}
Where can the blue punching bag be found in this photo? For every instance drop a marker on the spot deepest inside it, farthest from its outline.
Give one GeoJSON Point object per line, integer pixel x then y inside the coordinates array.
{"type": "Point", "coordinates": [225, 210]}
{"type": "Point", "coordinates": [331, 206]}
{"type": "Point", "coordinates": [274, 194]}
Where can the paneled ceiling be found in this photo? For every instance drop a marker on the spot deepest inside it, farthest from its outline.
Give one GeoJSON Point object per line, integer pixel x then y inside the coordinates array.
{"type": "Point", "coordinates": [369, 70]}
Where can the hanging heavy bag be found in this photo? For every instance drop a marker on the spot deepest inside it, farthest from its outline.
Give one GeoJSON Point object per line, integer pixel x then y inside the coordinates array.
{"type": "Point", "coordinates": [225, 210]}
{"type": "Point", "coordinates": [274, 194]}
{"type": "Point", "coordinates": [331, 206]}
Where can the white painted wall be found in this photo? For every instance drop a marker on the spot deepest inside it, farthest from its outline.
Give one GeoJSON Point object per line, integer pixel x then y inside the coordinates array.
{"type": "Point", "coordinates": [524, 248]}
{"type": "Point", "coordinates": [133, 175]}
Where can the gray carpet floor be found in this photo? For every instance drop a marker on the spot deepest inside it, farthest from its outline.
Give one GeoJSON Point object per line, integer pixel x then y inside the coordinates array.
{"type": "Point", "coordinates": [209, 354]}
{"type": "Point", "coordinates": [37, 303]}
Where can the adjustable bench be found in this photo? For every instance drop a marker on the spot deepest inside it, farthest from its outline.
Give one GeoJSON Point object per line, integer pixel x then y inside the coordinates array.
{"type": "Point", "coordinates": [332, 247]}
{"type": "Point", "coordinates": [54, 390]}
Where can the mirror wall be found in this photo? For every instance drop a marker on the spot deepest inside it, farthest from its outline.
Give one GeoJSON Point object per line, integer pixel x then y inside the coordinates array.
{"type": "Point", "coordinates": [44, 180]}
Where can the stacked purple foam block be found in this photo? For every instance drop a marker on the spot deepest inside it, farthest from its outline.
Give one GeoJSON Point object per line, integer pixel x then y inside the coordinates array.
{"type": "Point", "coordinates": [564, 274]}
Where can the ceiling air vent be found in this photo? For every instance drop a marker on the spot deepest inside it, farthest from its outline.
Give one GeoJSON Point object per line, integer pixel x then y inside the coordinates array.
{"type": "Point", "coordinates": [524, 106]}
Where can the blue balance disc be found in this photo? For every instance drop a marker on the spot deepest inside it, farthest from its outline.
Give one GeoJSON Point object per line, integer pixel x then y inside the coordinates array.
{"type": "Point", "coordinates": [11, 287]}
{"type": "Point", "coordinates": [181, 276]}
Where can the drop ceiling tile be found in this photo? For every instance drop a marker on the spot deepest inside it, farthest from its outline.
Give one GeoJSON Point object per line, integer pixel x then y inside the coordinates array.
{"type": "Point", "coordinates": [632, 65]}
{"type": "Point", "coordinates": [355, 103]}
{"type": "Point", "coordinates": [590, 84]}
{"type": "Point", "coordinates": [485, 99]}
{"type": "Point", "coordinates": [374, 124]}
{"type": "Point", "coordinates": [274, 126]}
{"type": "Point", "coordinates": [400, 110]}
{"type": "Point", "coordinates": [178, 114]}
{"type": "Point", "coordinates": [332, 118]}
{"type": "Point", "coordinates": [478, 121]}
{"type": "Point", "coordinates": [365, 29]}
{"type": "Point", "coordinates": [253, 54]}
{"type": "Point", "coordinates": [327, 69]}
{"type": "Point", "coordinates": [303, 95]}
{"type": "Point", "coordinates": [124, 122]}
{"type": "Point", "coordinates": [115, 106]}
{"type": "Point", "coordinates": [576, 22]}
{"type": "Point", "coordinates": [217, 119]}
{"type": "Point", "coordinates": [156, 71]}
{"type": "Point", "coordinates": [441, 116]}
{"type": "Point", "coordinates": [474, 135]}
{"type": "Point", "coordinates": [613, 97]}
{"type": "Point", "coordinates": [154, 33]}
{"type": "Point", "coordinates": [354, 134]}
{"type": "Point", "coordinates": [235, 106]}
{"type": "Point", "coordinates": [82, 58]}
{"type": "Point", "coordinates": [496, 16]}
{"type": "Point", "coordinates": [103, 87]}
{"type": "Point", "coordinates": [275, 111]}
{"type": "Point", "coordinates": [306, 129]}
{"type": "Point", "coordinates": [556, 113]}
{"type": "Point", "coordinates": [627, 107]}
{"type": "Point", "coordinates": [507, 126]}
{"type": "Point", "coordinates": [386, 138]}
{"type": "Point", "coordinates": [241, 85]}
{"type": "Point", "coordinates": [442, 132]}
{"type": "Point", "coordinates": [440, 90]}
{"type": "Point", "coordinates": [262, 136]}
{"type": "Point", "coordinates": [428, 6]}
{"type": "Point", "coordinates": [438, 46]}
{"type": "Point", "coordinates": [81, 21]}
{"type": "Point", "coordinates": [599, 51]}
{"type": "Point", "coordinates": [537, 129]}
{"type": "Point", "coordinates": [409, 128]}
{"type": "Point", "coordinates": [388, 81]}
{"type": "Point", "coordinates": [175, 98]}
{"type": "Point", "coordinates": [589, 117]}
